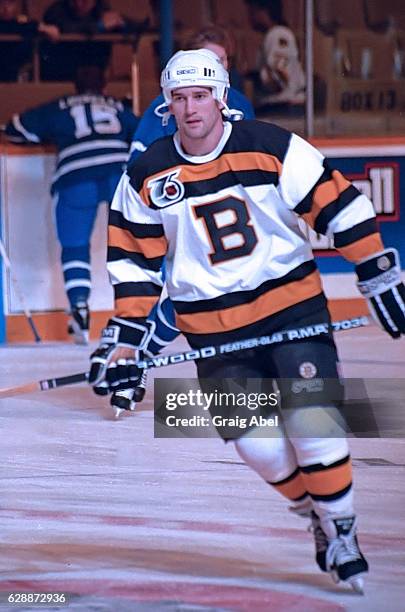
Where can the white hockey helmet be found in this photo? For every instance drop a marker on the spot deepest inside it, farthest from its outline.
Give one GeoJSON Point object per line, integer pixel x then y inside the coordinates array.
{"type": "Point", "coordinates": [192, 68]}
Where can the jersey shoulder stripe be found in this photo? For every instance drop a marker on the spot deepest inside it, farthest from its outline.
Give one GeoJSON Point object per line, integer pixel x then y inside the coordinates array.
{"type": "Point", "coordinates": [252, 144]}
{"type": "Point", "coordinates": [259, 136]}
{"type": "Point", "coordinates": [227, 170]}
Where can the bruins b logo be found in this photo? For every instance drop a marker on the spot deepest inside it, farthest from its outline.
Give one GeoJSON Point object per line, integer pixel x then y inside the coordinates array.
{"type": "Point", "coordinates": [166, 189]}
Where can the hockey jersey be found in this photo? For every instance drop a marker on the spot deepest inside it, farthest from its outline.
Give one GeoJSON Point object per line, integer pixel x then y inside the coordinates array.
{"type": "Point", "coordinates": [227, 224]}
{"type": "Point", "coordinates": [91, 132]}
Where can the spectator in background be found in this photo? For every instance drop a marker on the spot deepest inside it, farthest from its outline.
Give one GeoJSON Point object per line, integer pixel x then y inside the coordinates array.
{"type": "Point", "coordinates": [218, 39]}
{"type": "Point", "coordinates": [88, 17]}
{"type": "Point", "coordinates": [279, 80]}
{"type": "Point", "coordinates": [16, 56]}
{"type": "Point", "coordinates": [92, 133]}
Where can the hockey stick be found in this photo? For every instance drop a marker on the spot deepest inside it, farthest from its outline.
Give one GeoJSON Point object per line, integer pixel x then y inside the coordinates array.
{"type": "Point", "coordinates": [19, 293]}
{"type": "Point", "coordinates": [290, 335]}
{"type": "Point", "coordinates": [44, 385]}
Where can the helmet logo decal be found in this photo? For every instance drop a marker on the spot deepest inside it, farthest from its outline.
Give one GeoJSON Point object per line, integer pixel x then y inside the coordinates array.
{"type": "Point", "coordinates": [166, 189]}
{"type": "Point", "coordinates": [187, 71]}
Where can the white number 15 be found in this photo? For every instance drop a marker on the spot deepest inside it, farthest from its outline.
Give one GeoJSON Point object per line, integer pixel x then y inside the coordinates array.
{"type": "Point", "coordinates": [104, 120]}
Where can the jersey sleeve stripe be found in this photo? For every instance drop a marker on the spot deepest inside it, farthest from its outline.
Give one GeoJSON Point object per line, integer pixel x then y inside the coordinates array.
{"type": "Point", "coordinates": [131, 289]}
{"type": "Point", "coordinates": [137, 306]}
{"type": "Point", "coordinates": [306, 203]}
{"type": "Point", "coordinates": [120, 270]}
{"type": "Point", "coordinates": [365, 247]}
{"type": "Point", "coordinates": [358, 231]}
{"type": "Point", "coordinates": [139, 230]}
{"type": "Point", "coordinates": [148, 247]}
{"type": "Point", "coordinates": [116, 254]}
{"type": "Point", "coordinates": [235, 317]}
{"type": "Point", "coordinates": [331, 210]}
{"type": "Point", "coordinates": [324, 194]}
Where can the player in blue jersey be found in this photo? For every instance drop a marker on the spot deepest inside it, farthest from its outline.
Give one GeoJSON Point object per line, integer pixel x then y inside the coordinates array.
{"type": "Point", "coordinates": [92, 133]}
{"type": "Point", "coordinates": [156, 123]}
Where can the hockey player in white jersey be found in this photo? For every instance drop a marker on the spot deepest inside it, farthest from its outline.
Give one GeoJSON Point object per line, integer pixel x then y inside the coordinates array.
{"type": "Point", "coordinates": [220, 202]}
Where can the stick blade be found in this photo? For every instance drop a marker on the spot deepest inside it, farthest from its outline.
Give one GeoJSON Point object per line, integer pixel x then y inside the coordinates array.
{"type": "Point", "coordinates": [11, 391]}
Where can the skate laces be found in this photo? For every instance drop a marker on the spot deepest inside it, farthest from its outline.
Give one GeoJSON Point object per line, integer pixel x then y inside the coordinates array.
{"type": "Point", "coordinates": [142, 382]}
{"type": "Point", "coordinates": [343, 549]}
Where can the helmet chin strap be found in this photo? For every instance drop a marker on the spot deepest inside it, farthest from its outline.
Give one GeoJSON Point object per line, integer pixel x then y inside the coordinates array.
{"type": "Point", "coordinates": [231, 113]}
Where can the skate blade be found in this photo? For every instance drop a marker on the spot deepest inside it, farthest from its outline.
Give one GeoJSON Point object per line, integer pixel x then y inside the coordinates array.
{"type": "Point", "coordinates": [82, 339]}
{"type": "Point", "coordinates": [335, 576]}
{"type": "Point", "coordinates": [119, 411]}
{"type": "Point", "coordinates": [357, 584]}
{"type": "Point", "coordinates": [80, 336]}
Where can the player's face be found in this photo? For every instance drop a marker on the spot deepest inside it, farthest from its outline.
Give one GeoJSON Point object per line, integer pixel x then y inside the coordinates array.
{"type": "Point", "coordinates": [198, 117]}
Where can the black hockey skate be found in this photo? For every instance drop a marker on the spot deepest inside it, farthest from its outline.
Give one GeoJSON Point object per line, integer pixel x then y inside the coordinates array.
{"type": "Point", "coordinates": [304, 510]}
{"type": "Point", "coordinates": [321, 541]}
{"type": "Point", "coordinates": [343, 559]}
{"type": "Point", "coordinates": [128, 398]}
{"type": "Point", "coordinates": [79, 323]}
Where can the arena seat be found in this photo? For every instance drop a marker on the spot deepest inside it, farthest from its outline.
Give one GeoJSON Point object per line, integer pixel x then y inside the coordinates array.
{"type": "Point", "coordinates": [149, 69]}
{"type": "Point", "coordinates": [137, 10]}
{"type": "Point", "coordinates": [380, 16]}
{"type": "Point", "coordinates": [236, 17]}
{"type": "Point", "coordinates": [331, 16]}
{"type": "Point", "coordinates": [191, 14]}
{"type": "Point", "coordinates": [294, 15]}
{"type": "Point", "coordinates": [36, 8]}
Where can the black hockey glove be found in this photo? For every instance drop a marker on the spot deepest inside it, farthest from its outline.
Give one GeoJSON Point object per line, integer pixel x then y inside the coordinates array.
{"type": "Point", "coordinates": [112, 365]}
{"type": "Point", "coordinates": [380, 283]}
